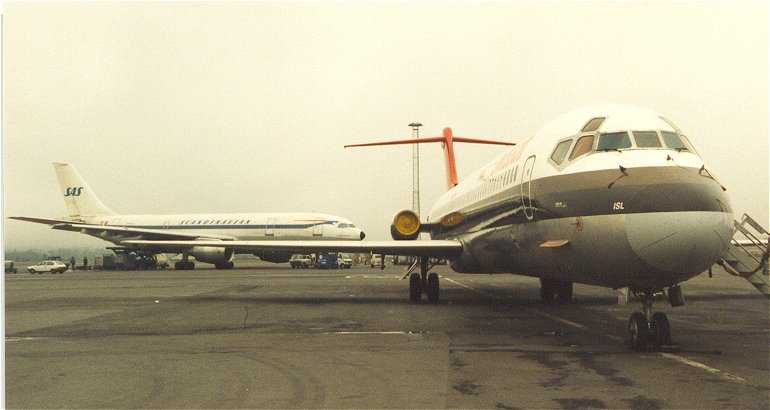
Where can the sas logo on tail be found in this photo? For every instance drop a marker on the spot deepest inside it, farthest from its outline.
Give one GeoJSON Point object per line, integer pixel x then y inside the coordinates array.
{"type": "Point", "coordinates": [73, 191]}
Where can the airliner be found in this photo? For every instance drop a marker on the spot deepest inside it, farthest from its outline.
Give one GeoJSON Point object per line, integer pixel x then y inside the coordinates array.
{"type": "Point", "coordinates": [610, 195]}
{"type": "Point", "coordinates": [87, 214]}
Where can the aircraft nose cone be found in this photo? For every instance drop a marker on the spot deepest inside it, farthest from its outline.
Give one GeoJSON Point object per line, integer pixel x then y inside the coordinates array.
{"type": "Point", "coordinates": [363, 235]}
{"type": "Point", "coordinates": [680, 243]}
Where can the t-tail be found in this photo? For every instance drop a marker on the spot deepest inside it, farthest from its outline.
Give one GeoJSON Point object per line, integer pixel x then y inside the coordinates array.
{"type": "Point", "coordinates": [447, 141]}
{"type": "Point", "coordinates": [81, 201]}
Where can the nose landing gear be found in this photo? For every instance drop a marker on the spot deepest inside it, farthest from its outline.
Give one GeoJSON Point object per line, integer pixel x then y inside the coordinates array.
{"type": "Point", "coordinates": [648, 330]}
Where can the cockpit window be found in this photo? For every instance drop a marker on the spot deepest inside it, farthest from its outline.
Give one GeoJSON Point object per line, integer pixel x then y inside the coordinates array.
{"type": "Point", "coordinates": [560, 152]}
{"type": "Point", "coordinates": [613, 141]}
{"type": "Point", "coordinates": [646, 139]}
{"type": "Point", "coordinates": [673, 141]}
{"type": "Point", "coordinates": [593, 124]}
{"type": "Point", "coordinates": [582, 146]}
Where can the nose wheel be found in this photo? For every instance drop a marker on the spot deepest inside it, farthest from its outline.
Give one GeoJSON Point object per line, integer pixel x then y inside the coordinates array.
{"type": "Point", "coordinates": [647, 330]}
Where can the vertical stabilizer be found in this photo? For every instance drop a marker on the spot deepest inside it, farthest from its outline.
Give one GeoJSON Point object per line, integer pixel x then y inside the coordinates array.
{"type": "Point", "coordinates": [80, 199]}
{"type": "Point", "coordinates": [447, 140]}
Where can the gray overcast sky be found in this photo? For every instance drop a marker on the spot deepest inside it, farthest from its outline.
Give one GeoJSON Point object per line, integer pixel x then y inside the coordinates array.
{"type": "Point", "coordinates": [244, 107]}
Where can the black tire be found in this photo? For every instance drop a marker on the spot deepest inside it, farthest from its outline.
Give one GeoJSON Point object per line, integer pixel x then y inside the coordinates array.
{"type": "Point", "coordinates": [660, 330]}
{"type": "Point", "coordinates": [433, 290]}
{"type": "Point", "coordinates": [638, 331]}
{"type": "Point", "coordinates": [415, 288]}
{"type": "Point", "coordinates": [547, 291]}
{"type": "Point", "coordinates": [564, 292]}
{"type": "Point", "coordinates": [32, 271]}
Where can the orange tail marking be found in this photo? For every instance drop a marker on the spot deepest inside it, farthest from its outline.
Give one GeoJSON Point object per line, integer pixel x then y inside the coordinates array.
{"type": "Point", "coordinates": [447, 141]}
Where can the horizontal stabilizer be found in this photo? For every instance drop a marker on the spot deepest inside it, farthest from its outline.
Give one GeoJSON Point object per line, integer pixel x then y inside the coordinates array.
{"type": "Point", "coordinates": [447, 139]}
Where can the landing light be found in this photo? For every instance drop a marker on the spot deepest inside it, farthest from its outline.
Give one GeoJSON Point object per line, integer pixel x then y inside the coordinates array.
{"type": "Point", "coordinates": [452, 219]}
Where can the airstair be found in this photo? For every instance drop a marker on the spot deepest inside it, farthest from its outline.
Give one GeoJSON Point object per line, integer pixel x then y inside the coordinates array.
{"type": "Point", "coordinates": [748, 253]}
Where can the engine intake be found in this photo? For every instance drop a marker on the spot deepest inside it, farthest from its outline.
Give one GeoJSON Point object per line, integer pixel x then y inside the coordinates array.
{"type": "Point", "coordinates": [406, 225]}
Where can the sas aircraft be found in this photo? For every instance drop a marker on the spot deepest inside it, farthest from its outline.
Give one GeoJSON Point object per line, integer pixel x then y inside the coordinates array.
{"type": "Point", "coordinates": [87, 214]}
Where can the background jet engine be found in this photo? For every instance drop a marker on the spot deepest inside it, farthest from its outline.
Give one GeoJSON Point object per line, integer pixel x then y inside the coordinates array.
{"type": "Point", "coordinates": [210, 254]}
{"type": "Point", "coordinates": [405, 226]}
{"type": "Point", "coordinates": [275, 257]}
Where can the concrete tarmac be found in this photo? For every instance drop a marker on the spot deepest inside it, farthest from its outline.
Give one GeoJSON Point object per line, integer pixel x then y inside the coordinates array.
{"type": "Point", "coordinates": [267, 336]}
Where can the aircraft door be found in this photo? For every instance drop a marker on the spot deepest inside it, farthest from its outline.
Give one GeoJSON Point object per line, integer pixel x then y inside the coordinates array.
{"type": "Point", "coordinates": [270, 227]}
{"type": "Point", "coordinates": [318, 229]}
{"type": "Point", "coordinates": [526, 187]}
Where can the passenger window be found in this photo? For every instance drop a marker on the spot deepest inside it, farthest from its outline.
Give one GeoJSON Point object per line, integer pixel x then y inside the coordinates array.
{"type": "Point", "coordinates": [613, 141]}
{"type": "Point", "coordinates": [561, 151]}
{"type": "Point", "coordinates": [593, 124]}
{"type": "Point", "coordinates": [646, 139]}
{"type": "Point", "coordinates": [673, 141]}
{"type": "Point", "coordinates": [582, 146]}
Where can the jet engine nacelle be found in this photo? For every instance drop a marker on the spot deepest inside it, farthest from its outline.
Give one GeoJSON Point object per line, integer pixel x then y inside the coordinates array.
{"type": "Point", "coordinates": [275, 257]}
{"type": "Point", "coordinates": [466, 263]}
{"type": "Point", "coordinates": [405, 226]}
{"type": "Point", "coordinates": [211, 254]}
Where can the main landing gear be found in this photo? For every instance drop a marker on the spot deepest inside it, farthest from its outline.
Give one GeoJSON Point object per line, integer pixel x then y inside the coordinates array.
{"type": "Point", "coordinates": [423, 282]}
{"type": "Point", "coordinates": [648, 330]}
{"type": "Point", "coordinates": [185, 263]}
{"type": "Point", "coordinates": [555, 291]}
{"type": "Point", "coordinates": [226, 265]}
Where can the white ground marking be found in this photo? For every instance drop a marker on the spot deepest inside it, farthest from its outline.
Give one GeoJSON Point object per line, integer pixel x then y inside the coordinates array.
{"type": "Point", "coordinates": [723, 374]}
{"type": "Point", "coordinates": [536, 311]}
{"type": "Point", "coordinates": [395, 332]}
{"type": "Point", "coordinates": [21, 339]}
{"type": "Point", "coordinates": [558, 319]}
{"type": "Point", "coordinates": [681, 359]}
{"type": "Point", "coordinates": [470, 287]}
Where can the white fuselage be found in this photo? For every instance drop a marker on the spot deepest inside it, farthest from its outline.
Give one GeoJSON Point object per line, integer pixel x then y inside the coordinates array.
{"type": "Point", "coordinates": [240, 226]}
{"type": "Point", "coordinates": [645, 217]}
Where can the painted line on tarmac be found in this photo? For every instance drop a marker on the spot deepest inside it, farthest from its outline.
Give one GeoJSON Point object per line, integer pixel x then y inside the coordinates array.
{"type": "Point", "coordinates": [536, 311]}
{"type": "Point", "coordinates": [471, 288]}
{"type": "Point", "coordinates": [559, 319]}
{"type": "Point", "coordinates": [22, 339]}
{"type": "Point", "coordinates": [395, 332]}
{"type": "Point", "coordinates": [721, 373]}
{"type": "Point", "coordinates": [681, 359]}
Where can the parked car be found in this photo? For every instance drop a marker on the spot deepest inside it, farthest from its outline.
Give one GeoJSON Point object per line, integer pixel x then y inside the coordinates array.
{"type": "Point", "coordinates": [9, 267]}
{"type": "Point", "coordinates": [345, 261]}
{"type": "Point", "coordinates": [300, 261]}
{"type": "Point", "coordinates": [47, 266]}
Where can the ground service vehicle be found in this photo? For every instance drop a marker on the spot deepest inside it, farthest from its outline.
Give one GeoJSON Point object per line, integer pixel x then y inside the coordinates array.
{"type": "Point", "coordinates": [376, 261]}
{"type": "Point", "coordinates": [10, 268]}
{"type": "Point", "coordinates": [327, 261]}
{"type": "Point", "coordinates": [300, 261]}
{"type": "Point", "coordinates": [345, 261]}
{"type": "Point", "coordinates": [47, 266]}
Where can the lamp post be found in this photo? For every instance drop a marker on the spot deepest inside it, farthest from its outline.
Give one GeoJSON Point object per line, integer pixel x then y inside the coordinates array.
{"type": "Point", "coordinates": [416, 168]}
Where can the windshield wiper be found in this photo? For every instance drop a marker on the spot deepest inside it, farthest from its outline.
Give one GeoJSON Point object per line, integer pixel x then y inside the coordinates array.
{"type": "Point", "coordinates": [608, 149]}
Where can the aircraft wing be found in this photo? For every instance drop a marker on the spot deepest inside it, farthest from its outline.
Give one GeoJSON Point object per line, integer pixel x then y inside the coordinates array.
{"type": "Point", "coordinates": [116, 232]}
{"type": "Point", "coordinates": [432, 248]}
